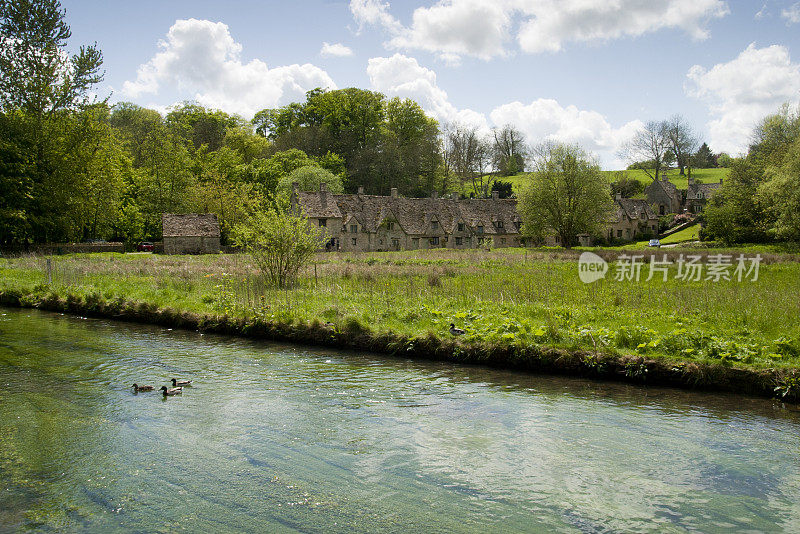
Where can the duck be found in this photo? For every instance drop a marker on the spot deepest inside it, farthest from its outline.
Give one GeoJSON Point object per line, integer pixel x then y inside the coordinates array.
{"type": "Point", "coordinates": [168, 392]}
{"type": "Point", "coordinates": [137, 387]}
{"type": "Point", "coordinates": [456, 331]}
{"type": "Point", "coordinates": [180, 382]}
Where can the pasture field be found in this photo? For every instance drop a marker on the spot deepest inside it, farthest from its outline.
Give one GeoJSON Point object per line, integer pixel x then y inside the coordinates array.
{"type": "Point", "coordinates": [524, 297]}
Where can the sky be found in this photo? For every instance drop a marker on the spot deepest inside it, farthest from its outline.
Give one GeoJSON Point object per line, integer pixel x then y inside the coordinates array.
{"type": "Point", "coordinates": [576, 71]}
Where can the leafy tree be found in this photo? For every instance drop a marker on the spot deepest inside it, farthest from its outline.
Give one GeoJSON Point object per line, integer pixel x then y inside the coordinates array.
{"type": "Point", "coordinates": [682, 141]}
{"type": "Point", "coordinates": [724, 160]}
{"type": "Point", "coordinates": [704, 158]}
{"type": "Point", "coordinates": [309, 178]}
{"type": "Point", "coordinates": [509, 150]}
{"type": "Point", "coordinates": [625, 186]}
{"type": "Point", "coordinates": [733, 215]}
{"type": "Point", "coordinates": [504, 189]}
{"type": "Point", "coordinates": [568, 195]}
{"type": "Point", "coordinates": [279, 241]}
{"type": "Point", "coordinates": [200, 126]}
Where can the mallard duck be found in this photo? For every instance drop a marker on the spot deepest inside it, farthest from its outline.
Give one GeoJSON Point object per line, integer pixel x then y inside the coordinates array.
{"type": "Point", "coordinates": [456, 331]}
{"type": "Point", "coordinates": [180, 382]}
{"type": "Point", "coordinates": [168, 392]}
{"type": "Point", "coordinates": [137, 387]}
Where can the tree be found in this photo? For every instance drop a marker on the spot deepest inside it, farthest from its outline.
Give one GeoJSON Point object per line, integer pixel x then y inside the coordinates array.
{"type": "Point", "coordinates": [625, 186]}
{"type": "Point", "coordinates": [279, 241]}
{"type": "Point", "coordinates": [682, 141]}
{"type": "Point", "coordinates": [704, 158]}
{"type": "Point", "coordinates": [504, 189]}
{"type": "Point", "coordinates": [568, 194]}
{"type": "Point", "coordinates": [309, 178]}
{"type": "Point", "coordinates": [509, 150]}
{"type": "Point", "coordinates": [650, 142]}
{"type": "Point", "coordinates": [734, 214]}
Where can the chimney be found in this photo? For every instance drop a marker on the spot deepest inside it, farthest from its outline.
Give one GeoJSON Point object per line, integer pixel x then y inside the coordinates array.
{"type": "Point", "coordinates": [360, 189]}
{"type": "Point", "coordinates": [323, 192]}
{"type": "Point", "coordinates": [618, 196]}
{"type": "Point", "coordinates": [434, 194]}
{"type": "Point", "coordinates": [495, 195]}
{"type": "Point", "coordinates": [394, 192]}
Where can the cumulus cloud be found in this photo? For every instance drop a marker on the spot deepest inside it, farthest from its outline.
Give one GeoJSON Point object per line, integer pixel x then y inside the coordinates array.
{"type": "Point", "coordinates": [455, 28]}
{"type": "Point", "coordinates": [791, 14]}
{"type": "Point", "coordinates": [335, 50]}
{"type": "Point", "coordinates": [541, 120]}
{"type": "Point", "coordinates": [743, 91]}
{"type": "Point", "coordinates": [202, 56]}
{"type": "Point", "coordinates": [403, 76]}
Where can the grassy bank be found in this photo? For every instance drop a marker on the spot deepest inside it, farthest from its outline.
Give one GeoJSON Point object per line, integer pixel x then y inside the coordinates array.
{"type": "Point", "coordinates": [512, 303]}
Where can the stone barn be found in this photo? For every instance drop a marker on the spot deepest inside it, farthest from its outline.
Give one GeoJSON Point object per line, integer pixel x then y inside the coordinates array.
{"type": "Point", "coordinates": [190, 233]}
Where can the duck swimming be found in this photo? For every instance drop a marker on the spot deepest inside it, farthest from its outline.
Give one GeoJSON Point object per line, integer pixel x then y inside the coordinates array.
{"type": "Point", "coordinates": [137, 387]}
{"type": "Point", "coordinates": [169, 392]}
{"type": "Point", "coordinates": [180, 382]}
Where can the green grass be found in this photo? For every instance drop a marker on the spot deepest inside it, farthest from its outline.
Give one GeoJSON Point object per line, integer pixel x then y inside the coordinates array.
{"type": "Point", "coordinates": [511, 296]}
{"type": "Point", "coordinates": [703, 175]}
{"type": "Point", "coordinates": [690, 233]}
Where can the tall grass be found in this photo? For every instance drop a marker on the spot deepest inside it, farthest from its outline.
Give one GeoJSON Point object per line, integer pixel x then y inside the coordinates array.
{"type": "Point", "coordinates": [502, 296]}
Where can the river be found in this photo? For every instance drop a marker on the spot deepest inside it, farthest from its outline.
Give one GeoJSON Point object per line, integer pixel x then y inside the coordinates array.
{"type": "Point", "coordinates": [282, 438]}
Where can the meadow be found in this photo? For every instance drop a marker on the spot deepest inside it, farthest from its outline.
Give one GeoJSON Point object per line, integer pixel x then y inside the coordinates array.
{"type": "Point", "coordinates": [503, 297]}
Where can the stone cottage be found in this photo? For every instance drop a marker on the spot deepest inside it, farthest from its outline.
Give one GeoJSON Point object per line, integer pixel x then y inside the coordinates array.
{"type": "Point", "coordinates": [190, 233]}
{"type": "Point", "coordinates": [697, 195]}
{"type": "Point", "coordinates": [359, 222]}
{"type": "Point", "coordinates": [630, 218]}
{"type": "Point", "coordinates": [664, 196]}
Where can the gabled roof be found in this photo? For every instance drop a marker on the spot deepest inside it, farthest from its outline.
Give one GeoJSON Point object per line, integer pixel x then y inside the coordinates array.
{"type": "Point", "coordinates": [668, 187]}
{"type": "Point", "coordinates": [189, 225]}
{"type": "Point", "coordinates": [634, 207]}
{"type": "Point", "coordinates": [318, 205]}
{"type": "Point", "coordinates": [707, 189]}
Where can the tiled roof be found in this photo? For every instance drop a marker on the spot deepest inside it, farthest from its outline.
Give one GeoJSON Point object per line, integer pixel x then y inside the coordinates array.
{"type": "Point", "coordinates": [707, 189]}
{"type": "Point", "coordinates": [632, 208]}
{"type": "Point", "coordinates": [414, 215]}
{"type": "Point", "coordinates": [190, 225]}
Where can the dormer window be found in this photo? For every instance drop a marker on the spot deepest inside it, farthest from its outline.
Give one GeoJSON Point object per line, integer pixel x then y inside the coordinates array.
{"type": "Point", "coordinates": [498, 224]}
{"type": "Point", "coordinates": [353, 228]}
{"type": "Point", "coordinates": [480, 229]}
{"type": "Point", "coordinates": [460, 227]}
{"type": "Point", "coordinates": [390, 226]}
{"type": "Point", "coordinates": [323, 223]}
{"type": "Point", "coordinates": [643, 216]}
{"type": "Point", "coordinates": [434, 225]}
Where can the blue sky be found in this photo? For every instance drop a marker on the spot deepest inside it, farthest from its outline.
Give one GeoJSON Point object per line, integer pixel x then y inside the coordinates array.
{"type": "Point", "coordinates": [571, 70]}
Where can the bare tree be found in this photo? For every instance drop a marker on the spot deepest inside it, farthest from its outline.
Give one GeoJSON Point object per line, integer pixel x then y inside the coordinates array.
{"type": "Point", "coordinates": [509, 150]}
{"type": "Point", "coordinates": [651, 144]}
{"type": "Point", "coordinates": [468, 156]}
{"type": "Point", "coordinates": [682, 141]}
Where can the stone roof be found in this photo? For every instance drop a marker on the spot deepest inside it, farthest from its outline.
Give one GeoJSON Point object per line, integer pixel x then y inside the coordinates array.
{"type": "Point", "coordinates": [190, 225]}
{"type": "Point", "coordinates": [707, 190]}
{"type": "Point", "coordinates": [414, 215]}
{"type": "Point", "coordinates": [669, 188]}
{"type": "Point", "coordinates": [632, 208]}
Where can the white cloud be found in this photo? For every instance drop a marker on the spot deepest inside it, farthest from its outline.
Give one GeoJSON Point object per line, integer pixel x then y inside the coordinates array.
{"type": "Point", "coordinates": [403, 76]}
{"type": "Point", "coordinates": [455, 28]}
{"type": "Point", "coordinates": [743, 91]}
{"type": "Point", "coordinates": [546, 120]}
{"type": "Point", "coordinates": [540, 120]}
{"type": "Point", "coordinates": [335, 50]}
{"type": "Point", "coordinates": [791, 14]}
{"type": "Point", "coordinates": [202, 56]}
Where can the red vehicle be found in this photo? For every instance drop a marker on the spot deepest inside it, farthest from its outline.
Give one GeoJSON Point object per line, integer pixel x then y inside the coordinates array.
{"type": "Point", "coordinates": [145, 246]}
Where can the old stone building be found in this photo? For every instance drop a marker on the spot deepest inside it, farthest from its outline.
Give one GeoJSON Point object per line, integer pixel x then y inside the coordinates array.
{"type": "Point", "coordinates": [191, 233]}
{"type": "Point", "coordinates": [630, 219]}
{"type": "Point", "coordinates": [664, 196]}
{"type": "Point", "coordinates": [359, 222]}
{"type": "Point", "coordinates": [697, 195]}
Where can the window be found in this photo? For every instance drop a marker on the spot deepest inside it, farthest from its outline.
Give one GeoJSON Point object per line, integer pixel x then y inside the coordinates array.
{"type": "Point", "coordinates": [643, 215]}
{"type": "Point", "coordinates": [414, 242]}
{"type": "Point", "coordinates": [434, 225]}
{"type": "Point", "coordinates": [661, 209]}
{"type": "Point", "coordinates": [395, 243]}
{"type": "Point", "coordinates": [353, 228]}
{"type": "Point", "coordinates": [434, 241]}
{"type": "Point", "coordinates": [323, 223]}
{"type": "Point", "coordinates": [654, 228]}
{"type": "Point", "coordinates": [390, 226]}
{"type": "Point", "coordinates": [459, 241]}
{"type": "Point", "coordinates": [498, 224]}
{"type": "Point", "coordinates": [619, 233]}
{"type": "Point", "coordinates": [518, 225]}
{"type": "Point", "coordinates": [353, 240]}
{"type": "Point", "coordinates": [380, 241]}
{"type": "Point", "coordinates": [460, 227]}
{"type": "Point", "coordinates": [480, 229]}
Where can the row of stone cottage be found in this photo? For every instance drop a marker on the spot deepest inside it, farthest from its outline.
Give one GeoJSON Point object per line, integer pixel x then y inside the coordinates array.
{"type": "Point", "coordinates": [359, 222]}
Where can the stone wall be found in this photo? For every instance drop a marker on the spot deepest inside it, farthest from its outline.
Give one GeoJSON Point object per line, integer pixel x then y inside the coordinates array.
{"type": "Point", "coordinates": [191, 245]}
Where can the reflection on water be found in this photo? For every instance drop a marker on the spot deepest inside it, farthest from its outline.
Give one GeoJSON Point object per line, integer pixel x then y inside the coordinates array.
{"type": "Point", "coordinates": [277, 438]}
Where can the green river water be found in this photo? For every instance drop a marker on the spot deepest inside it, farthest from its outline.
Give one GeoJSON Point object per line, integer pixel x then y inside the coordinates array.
{"type": "Point", "coordinates": [282, 438]}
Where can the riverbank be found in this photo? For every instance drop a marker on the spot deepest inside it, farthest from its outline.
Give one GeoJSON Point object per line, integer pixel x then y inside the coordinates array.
{"type": "Point", "coordinates": [521, 309]}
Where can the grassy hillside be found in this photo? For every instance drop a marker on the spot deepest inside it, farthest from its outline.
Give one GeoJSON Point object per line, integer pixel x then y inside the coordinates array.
{"type": "Point", "coordinates": [703, 175]}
